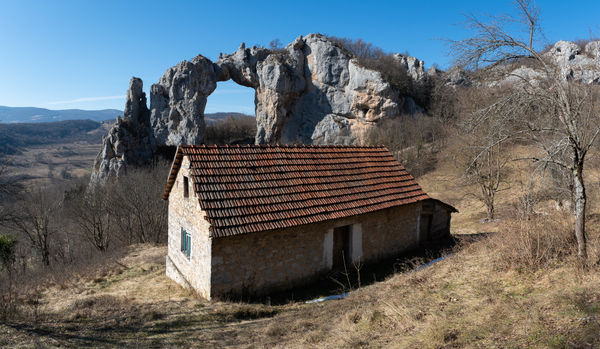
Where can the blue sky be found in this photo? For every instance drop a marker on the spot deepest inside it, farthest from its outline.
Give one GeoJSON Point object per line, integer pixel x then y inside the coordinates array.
{"type": "Point", "coordinates": [81, 54]}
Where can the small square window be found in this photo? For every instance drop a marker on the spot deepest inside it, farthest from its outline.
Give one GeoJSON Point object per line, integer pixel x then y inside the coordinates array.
{"type": "Point", "coordinates": [186, 187]}
{"type": "Point", "coordinates": [186, 243]}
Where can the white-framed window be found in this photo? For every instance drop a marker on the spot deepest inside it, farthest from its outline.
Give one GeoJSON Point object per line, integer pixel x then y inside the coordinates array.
{"type": "Point", "coordinates": [186, 243]}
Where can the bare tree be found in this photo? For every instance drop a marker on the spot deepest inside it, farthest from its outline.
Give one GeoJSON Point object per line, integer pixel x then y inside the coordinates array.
{"type": "Point", "coordinates": [488, 172]}
{"type": "Point", "coordinates": [37, 219]}
{"type": "Point", "coordinates": [275, 44]}
{"type": "Point", "coordinates": [557, 113]}
{"type": "Point", "coordinates": [136, 204]}
{"type": "Point", "coordinates": [482, 139]}
{"type": "Point", "coordinates": [92, 215]}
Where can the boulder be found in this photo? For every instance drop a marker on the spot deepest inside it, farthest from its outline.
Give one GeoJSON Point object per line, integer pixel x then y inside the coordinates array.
{"type": "Point", "coordinates": [414, 67]}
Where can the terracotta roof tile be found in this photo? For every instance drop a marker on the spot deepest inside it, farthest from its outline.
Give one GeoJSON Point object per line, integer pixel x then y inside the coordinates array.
{"type": "Point", "coordinates": [245, 189]}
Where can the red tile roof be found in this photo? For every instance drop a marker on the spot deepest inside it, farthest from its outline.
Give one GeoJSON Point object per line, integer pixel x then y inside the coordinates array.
{"type": "Point", "coordinates": [245, 189]}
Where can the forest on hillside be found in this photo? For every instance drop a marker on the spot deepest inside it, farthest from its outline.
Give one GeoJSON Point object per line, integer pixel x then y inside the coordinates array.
{"type": "Point", "coordinates": [17, 136]}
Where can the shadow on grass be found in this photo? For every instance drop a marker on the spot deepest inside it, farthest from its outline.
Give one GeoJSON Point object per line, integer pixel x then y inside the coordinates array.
{"type": "Point", "coordinates": [61, 334]}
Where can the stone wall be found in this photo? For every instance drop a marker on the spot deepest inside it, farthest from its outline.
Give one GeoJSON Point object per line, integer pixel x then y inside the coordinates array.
{"type": "Point", "coordinates": [185, 213]}
{"type": "Point", "coordinates": [262, 262]}
{"type": "Point", "coordinates": [388, 232]}
{"type": "Point", "coordinates": [440, 222]}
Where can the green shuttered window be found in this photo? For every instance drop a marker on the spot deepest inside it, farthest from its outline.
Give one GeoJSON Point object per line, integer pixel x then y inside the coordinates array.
{"type": "Point", "coordinates": [186, 243]}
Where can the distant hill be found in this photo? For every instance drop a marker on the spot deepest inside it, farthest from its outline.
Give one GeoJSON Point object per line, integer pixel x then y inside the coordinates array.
{"type": "Point", "coordinates": [31, 114]}
{"type": "Point", "coordinates": [16, 136]}
{"type": "Point", "coordinates": [10, 115]}
{"type": "Point", "coordinates": [211, 118]}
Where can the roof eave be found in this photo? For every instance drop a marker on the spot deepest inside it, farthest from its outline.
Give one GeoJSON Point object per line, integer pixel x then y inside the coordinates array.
{"type": "Point", "coordinates": [448, 206]}
{"type": "Point", "coordinates": [175, 165]}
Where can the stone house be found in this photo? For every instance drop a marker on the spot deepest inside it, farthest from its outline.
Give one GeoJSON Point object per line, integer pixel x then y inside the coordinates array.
{"type": "Point", "coordinates": [255, 219]}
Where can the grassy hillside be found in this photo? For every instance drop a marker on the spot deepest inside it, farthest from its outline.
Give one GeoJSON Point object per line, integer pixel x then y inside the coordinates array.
{"type": "Point", "coordinates": [506, 289]}
{"type": "Point", "coordinates": [463, 301]}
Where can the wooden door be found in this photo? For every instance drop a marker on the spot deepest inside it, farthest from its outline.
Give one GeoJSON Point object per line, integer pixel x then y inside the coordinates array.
{"type": "Point", "coordinates": [341, 247]}
{"type": "Point", "coordinates": [426, 220]}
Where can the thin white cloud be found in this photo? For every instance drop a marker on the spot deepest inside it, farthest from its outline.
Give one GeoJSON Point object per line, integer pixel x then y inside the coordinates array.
{"type": "Point", "coordinates": [88, 99]}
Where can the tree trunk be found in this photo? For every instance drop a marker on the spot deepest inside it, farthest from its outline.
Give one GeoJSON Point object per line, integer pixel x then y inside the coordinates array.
{"type": "Point", "coordinates": [46, 257]}
{"type": "Point", "coordinates": [490, 211]}
{"type": "Point", "coordinates": [580, 203]}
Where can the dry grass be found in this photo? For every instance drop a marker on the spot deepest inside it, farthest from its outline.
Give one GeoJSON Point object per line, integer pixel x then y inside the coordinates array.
{"type": "Point", "coordinates": [463, 301]}
{"type": "Point", "coordinates": [534, 242]}
{"type": "Point", "coordinates": [508, 290]}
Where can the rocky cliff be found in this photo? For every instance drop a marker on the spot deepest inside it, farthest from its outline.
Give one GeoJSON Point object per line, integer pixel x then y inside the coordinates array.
{"type": "Point", "coordinates": [574, 62]}
{"type": "Point", "coordinates": [130, 142]}
{"type": "Point", "coordinates": [313, 91]}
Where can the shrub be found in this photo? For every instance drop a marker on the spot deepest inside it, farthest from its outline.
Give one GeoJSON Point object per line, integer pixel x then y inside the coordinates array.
{"type": "Point", "coordinates": [391, 69]}
{"type": "Point", "coordinates": [231, 130]}
{"type": "Point", "coordinates": [413, 141]}
{"type": "Point", "coordinates": [534, 242]}
{"type": "Point", "coordinates": [7, 251]}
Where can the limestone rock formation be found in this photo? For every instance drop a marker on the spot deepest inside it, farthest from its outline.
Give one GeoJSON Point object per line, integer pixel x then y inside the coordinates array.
{"type": "Point", "coordinates": [129, 141]}
{"type": "Point", "coordinates": [582, 64]}
{"type": "Point", "coordinates": [178, 100]}
{"type": "Point", "coordinates": [414, 67]}
{"type": "Point", "coordinates": [574, 63]}
{"type": "Point", "coordinates": [456, 77]}
{"type": "Point", "coordinates": [313, 91]}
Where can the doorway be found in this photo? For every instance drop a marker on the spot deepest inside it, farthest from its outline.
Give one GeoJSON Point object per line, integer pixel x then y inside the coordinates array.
{"type": "Point", "coordinates": [341, 247]}
{"type": "Point", "coordinates": [426, 227]}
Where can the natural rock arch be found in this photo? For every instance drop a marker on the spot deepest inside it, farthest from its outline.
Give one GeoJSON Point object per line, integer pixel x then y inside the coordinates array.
{"type": "Point", "coordinates": [313, 92]}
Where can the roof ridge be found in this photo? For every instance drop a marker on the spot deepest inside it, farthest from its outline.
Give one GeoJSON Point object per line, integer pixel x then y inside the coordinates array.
{"type": "Point", "coordinates": [257, 146]}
